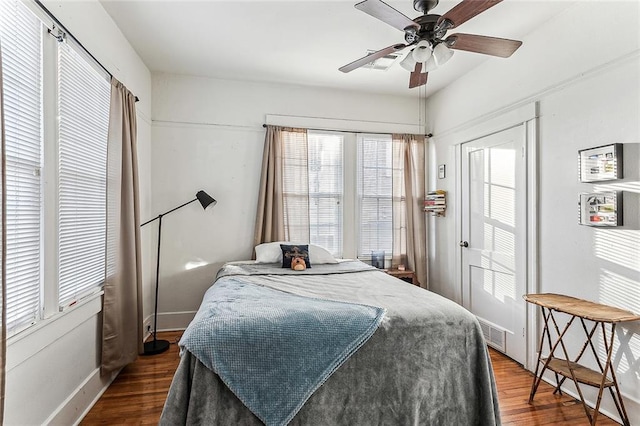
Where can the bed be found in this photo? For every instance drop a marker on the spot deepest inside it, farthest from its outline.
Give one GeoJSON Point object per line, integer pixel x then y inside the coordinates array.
{"type": "Point", "coordinates": [423, 362]}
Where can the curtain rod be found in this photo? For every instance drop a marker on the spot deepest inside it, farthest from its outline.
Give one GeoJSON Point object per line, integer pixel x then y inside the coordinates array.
{"type": "Point", "coordinates": [68, 33]}
{"type": "Point", "coordinates": [347, 131]}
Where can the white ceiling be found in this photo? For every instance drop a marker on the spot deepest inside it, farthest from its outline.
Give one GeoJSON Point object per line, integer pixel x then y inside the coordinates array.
{"type": "Point", "coordinates": [301, 42]}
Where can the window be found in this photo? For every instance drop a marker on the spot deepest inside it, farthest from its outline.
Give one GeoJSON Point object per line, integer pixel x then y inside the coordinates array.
{"type": "Point", "coordinates": [375, 184]}
{"type": "Point", "coordinates": [325, 191]}
{"type": "Point", "coordinates": [83, 107]}
{"type": "Point", "coordinates": [22, 89]}
{"type": "Point", "coordinates": [341, 192]}
{"type": "Point", "coordinates": [56, 138]}
{"type": "Point", "coordinates": [313, 188]}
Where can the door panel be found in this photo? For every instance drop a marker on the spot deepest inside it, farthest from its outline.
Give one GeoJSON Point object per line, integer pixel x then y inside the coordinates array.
{"type": "Point", "coordinates": [494, 226]}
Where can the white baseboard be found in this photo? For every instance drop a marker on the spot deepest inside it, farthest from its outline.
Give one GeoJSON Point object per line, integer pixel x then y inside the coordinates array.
{"type": "Point", "coordinates": [78, 404]}
{"type": "Point", "coordinates": [169, 321]}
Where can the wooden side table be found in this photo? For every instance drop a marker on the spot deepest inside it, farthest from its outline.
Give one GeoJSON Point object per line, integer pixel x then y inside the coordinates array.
{"type": "Point", "coordinates": [600, 315]}
{"type": "Point", "coordinates": [406, 275]}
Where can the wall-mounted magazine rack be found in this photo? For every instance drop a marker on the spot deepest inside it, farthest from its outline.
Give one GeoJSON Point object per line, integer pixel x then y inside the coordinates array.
{"type": "Point", "coordinates": [436, 202]}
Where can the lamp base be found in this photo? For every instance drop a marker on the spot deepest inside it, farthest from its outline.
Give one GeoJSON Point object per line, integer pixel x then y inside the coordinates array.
{"type": "Point", "coordinates": [155, 347]}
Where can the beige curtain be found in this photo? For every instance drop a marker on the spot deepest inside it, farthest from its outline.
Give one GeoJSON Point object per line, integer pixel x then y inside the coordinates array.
{"type": "Point", "coordinates": [122, 307]}
{"type": "Point", "coordinates": [282, 202]}
{"type": "Point", "coordinates": [409, 229]}
{"type": "Point", "coordinates": [3, 274]}
{"type": "Point", "coordinates": [269, 217]}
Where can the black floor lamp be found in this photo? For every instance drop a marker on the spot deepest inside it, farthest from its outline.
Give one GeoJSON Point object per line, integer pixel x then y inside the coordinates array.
{"type": "Point", "coordinates": [158, 346]}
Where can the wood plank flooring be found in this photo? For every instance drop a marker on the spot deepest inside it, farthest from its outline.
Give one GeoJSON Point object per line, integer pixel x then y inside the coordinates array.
{"type": "Point", "coordinates": [137, 395]}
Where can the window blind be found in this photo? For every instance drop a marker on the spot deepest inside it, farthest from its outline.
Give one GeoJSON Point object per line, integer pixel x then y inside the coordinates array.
{"type": "Point", "coordinates": [21, 36]}
{"type": "Point", "coordinates": [375, 180]}
{"type": "Point", "coordinates": [325, 190]}
{"type": "Point", "coordinates": [312, 178]}
{"type": "Point", "coordinates": [83, 108]}
{"type": "Point", "coordinates": [295, 185]}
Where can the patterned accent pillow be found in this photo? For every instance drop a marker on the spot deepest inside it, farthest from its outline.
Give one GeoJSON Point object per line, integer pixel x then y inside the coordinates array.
{"type": "Point", "coordinates": [291, 251]}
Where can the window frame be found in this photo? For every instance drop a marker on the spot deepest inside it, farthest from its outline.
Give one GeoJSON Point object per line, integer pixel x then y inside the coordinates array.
{"type": "Point", "coordinates": [360, 137]}
{"type": "Point", "coordinates": [351, 200]}
{"type": "Point", "coordinates": [50, 309]}
{"type": "Point", "coordinates": [326, 195]}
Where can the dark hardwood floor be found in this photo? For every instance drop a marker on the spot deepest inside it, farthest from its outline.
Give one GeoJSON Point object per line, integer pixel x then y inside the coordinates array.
{"type": "Point", "coordinates": [138, 393]}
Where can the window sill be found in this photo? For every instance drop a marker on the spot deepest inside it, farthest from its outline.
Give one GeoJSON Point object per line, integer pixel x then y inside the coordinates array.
{"type": "Point", "coordinates": [28, 342]}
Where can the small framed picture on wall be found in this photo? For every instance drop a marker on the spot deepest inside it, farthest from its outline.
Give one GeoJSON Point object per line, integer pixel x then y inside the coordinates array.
{"type": "Point", "coordinates": [600, 163]}
{"type": "Point", "coordinates": [601, 209]}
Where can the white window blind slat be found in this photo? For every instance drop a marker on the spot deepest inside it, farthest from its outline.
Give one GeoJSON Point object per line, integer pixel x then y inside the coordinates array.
{"type": "Point", "coordinates": [83, 104]}
{"type": "Point", "coordinates": [20, 32]}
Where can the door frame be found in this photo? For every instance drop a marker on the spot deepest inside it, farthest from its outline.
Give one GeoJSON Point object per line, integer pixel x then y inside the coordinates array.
{"type": "Point", "coordinates": [526, 115]}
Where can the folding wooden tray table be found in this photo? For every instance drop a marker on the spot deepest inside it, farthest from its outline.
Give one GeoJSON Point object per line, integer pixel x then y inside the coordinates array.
{"type": "Point", "coordinates": [599, 314]}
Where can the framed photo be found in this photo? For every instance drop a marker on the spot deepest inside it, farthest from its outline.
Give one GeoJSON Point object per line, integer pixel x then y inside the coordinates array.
{"type": "Point", "coordinates": [601, 209]}
{"type": "Point", "coordinates": [601, 163]}
{"type": "Point", "coordinates": [441, 171]}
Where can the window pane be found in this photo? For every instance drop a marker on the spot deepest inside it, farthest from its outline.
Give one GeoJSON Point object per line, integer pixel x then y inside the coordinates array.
{"type": "Point", "coordinates": [325, 161]}
{"type": "Point", "coordinates": [375, 178]}
{"type": "Point", "coordinates": [83, 108]}
{"type": "Point", "coordinates": [20, 31]}
{"type": "Point", "coordinates": [295, 184]}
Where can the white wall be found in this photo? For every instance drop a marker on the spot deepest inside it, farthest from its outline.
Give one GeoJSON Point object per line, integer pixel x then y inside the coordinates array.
{"type": "Point", "coordinates": [586, 81]}
{"type": "Point", "coordinates": [53, 368]}
{"type": "Point", "coordinates": [207, 134]}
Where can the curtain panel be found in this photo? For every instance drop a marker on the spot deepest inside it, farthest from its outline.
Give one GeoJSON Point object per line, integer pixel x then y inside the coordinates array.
{"type": "Point", "coordinates": [409, 222]}
{"type": "Point", "coordinates": [3, 274]}
{"type": "Point", "coordinates": [122, 307]}
{"type": "Point", "coordinates": [283, 201]}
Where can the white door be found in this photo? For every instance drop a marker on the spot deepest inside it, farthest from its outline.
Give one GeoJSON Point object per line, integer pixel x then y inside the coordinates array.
{"type": "Point", "coordinates": [494, 237]}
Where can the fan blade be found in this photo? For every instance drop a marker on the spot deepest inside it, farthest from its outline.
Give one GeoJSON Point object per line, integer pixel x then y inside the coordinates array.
{"type": "Point", "coordinates": [417, 77]}
{"type": "Point", "coordinates": [494, 46]}
{"type": "Point", "coordinates": [371, 57]}
{"type": "Point", "coordinates": [382, 11]}
{"type": "Point", "coordinates": [464, 11]}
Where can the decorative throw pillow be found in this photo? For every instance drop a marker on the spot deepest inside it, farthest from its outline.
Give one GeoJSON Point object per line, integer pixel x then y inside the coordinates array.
{"type": "Point", "coordinates": [291, 251]}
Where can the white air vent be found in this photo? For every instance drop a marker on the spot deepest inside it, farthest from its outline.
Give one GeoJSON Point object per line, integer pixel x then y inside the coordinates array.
{"type": "Point", "coordinates": [495, 336]}
{"type": "Point", "coordinates": [383, 63]}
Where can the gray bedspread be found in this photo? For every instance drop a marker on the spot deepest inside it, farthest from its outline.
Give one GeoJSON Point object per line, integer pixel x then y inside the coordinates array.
{"type": "Point", "coordinates": [273, 349]}
{"type": "Point", "coordinates": [427, 364]}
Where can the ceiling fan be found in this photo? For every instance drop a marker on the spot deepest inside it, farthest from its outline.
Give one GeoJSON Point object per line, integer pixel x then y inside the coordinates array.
{"type": "Point", "coordinates": [425, 39]}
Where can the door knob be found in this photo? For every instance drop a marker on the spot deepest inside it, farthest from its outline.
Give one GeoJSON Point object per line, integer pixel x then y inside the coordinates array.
{"type": "Point", "coordinates": [464, 244]}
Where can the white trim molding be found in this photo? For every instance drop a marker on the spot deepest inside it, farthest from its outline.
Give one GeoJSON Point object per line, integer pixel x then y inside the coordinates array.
{"type": "Point", "coordinates": [341, 124]}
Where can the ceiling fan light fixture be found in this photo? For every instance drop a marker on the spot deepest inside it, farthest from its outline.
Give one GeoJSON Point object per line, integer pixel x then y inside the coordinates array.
{"type": "Point", "coordinates": [442, 54]}
{"type": "Point", "coordinates": [408, 63]}
{"type": "Point", "coordinates": [422, 51]}
{"type": "Point", "coordinates": [430, 64]}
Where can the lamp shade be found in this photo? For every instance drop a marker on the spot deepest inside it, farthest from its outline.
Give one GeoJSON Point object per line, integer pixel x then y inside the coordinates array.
{"type": "Point", "coordinates": [408, 63]}
{"type": "Point", "coordinates": [422, 52]}
{"type": "Point", "coordinates": [430, 64]}
{"type": "Point", "coordinates": [206, 200]}
{"type": "Point", "coordinates": [442, 54]}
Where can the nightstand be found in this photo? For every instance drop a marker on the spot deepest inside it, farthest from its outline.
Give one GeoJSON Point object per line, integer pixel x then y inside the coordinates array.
{"type": "Point", "coordinates": [406, 275]}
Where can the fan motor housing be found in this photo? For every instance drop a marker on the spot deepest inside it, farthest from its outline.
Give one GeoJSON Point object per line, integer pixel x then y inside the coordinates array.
{"type": "Point", "coordinates": [424, 6]}
{"type": "Point", "coordinates": [425, 32]}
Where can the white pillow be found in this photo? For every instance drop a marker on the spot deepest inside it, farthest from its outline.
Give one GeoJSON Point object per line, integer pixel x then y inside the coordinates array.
{"type": "Point", "coordinates": [318, 255]}
{"type": "Point", "coordinates": [271, 253]}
